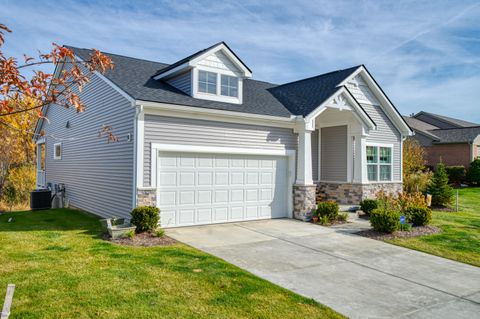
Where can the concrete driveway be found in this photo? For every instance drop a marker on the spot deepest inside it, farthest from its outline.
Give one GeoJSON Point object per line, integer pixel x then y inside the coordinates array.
{"type": "Point", "coordinates": [356, 276]}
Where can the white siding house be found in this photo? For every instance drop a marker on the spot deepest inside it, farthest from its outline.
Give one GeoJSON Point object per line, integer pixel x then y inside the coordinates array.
{"type": "Point", "coordinates": [207, 144]}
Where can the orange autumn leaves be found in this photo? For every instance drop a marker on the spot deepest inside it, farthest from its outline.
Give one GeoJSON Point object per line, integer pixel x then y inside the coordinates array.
{"type": "Point", "coordinates": [44, 88]}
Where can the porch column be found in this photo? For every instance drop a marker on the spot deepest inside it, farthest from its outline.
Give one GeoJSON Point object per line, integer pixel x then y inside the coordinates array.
{"type": "Point", "coordinates": [304, 190]}
{"type": "Point", "coordinates": [304, 157]}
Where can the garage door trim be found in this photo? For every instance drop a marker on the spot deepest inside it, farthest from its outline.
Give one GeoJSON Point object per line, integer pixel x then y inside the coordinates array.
{"type": "Point", "coordinates": [156, 148]}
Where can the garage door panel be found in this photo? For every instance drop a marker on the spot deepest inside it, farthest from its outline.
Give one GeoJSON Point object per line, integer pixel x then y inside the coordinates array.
{"type": "Point", "coordinates": [204, 196]}
{"type": "Point", "coordinates": [204, 215]}
{"type": "Point", "coordinates": [212, 188]}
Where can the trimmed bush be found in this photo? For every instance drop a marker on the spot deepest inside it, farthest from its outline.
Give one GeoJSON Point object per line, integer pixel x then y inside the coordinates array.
{"type": "Point", "coordinates": [367, 205]}
{"type": "Point", "coordinates": [474, 172]}
{"type": "Point", "coordinates": [442, 193]}
{"type": "Point", "coordinates": [329, 209]}
{"type": "Point", "coordinates": [145, 218]}
{"type": "Point", "coordinates": [456, 174]}
{"type": "Point", "coordinates": [419, 216]}
{"type": "Point", "coordinates": [386, 221]}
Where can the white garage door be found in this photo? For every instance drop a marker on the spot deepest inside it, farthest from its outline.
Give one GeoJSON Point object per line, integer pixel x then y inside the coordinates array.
{"type": "Point", "coordinates": [198, 189]}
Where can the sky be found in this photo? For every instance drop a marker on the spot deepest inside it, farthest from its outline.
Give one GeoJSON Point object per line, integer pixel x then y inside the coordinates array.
{"type": "Point", "coordinates": [424, 54]}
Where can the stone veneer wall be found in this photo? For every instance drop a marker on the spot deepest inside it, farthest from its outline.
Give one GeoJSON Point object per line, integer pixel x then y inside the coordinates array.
{"type": "Point", "coordinates": [147, 197]}
{"type": "Point", "coordinates": [304, 200]}
{"type": "Point", "coordinates": [353, 194]}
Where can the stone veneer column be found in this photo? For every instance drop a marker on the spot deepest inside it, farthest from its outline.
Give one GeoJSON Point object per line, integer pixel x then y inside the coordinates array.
{"type": "Point", "coordinates": [147, 197]}
{"type": "Point", "coordinates": [304, 200]}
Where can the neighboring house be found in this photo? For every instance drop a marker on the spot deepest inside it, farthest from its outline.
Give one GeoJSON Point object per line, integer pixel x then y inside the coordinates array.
{"type": "Point", "coordinates": [445, 139]}
{"type": "Point", "coordinates": [207, 144]}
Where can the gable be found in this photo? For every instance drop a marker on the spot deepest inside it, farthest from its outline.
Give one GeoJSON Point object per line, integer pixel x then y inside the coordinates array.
{"type": "Point", "coordinates": [370, 93]}
{"type": "Point", "coordinates": [218, 60]}
{"type": "Point", "coordinates": [360, 90]}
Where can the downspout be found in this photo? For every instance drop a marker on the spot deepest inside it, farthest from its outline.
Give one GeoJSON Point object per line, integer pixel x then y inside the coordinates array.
{"type": "Point", "coordinates": [138, 111]}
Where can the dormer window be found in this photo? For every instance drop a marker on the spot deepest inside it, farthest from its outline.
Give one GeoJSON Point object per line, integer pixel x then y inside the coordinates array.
{"type": "Point", "coordinates": [229, 85]}
{"type": "Point", "coordinates": [207, 82]}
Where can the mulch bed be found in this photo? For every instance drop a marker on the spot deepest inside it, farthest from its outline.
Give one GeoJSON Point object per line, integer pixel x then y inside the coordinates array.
{"type": "Point", "coordinates": [414, 232]}
{"type": "Point", "coordinates": [143, 240]}
{"type": "Point", "coordinates": [333, 223]}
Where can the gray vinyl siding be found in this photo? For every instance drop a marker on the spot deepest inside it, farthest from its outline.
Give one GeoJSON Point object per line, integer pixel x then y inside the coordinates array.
{"type": "Point", "coordinates": [315, 155]}
{"type": "Point", "coordinates": [170, 130]}
{"type": "Point", "coordinates": [98, 175]}
{"type": "Point", "coordinates": [387, 133]}
{"type": "Point", "coordinates": [334, 153]}
{"type": "Point", "coordinates": [183, 82]}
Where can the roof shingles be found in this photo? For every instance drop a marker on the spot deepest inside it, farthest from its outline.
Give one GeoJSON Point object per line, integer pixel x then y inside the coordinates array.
{"type": "Point", "coordinates": [135, 77]}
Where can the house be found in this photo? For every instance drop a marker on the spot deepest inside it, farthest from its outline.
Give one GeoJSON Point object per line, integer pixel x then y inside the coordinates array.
{"type": "Point", "coordinates": [445, 139]}
{"type": "Point", "coordinates": [206, 143]}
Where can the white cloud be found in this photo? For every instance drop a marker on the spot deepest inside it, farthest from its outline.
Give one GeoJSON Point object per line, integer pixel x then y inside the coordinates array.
{"type": "Point", "coordinates": [424, 54]}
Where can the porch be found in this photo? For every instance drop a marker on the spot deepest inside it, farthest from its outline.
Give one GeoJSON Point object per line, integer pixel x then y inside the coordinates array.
{"type": "Point", "coordinates": [335, 159]}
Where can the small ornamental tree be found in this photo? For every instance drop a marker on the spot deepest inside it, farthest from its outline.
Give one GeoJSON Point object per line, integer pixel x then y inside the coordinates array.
{"type": "Point", "coordinates": [474, 172]}
{"type": "Point", "coordinates": [23, 98]}
{"type": "Point", "coordinates": [415, 177]}
{"type": "Point", "coordinates": [442, 193]}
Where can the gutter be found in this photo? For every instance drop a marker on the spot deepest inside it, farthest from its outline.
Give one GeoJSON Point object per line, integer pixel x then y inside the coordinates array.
{"type": "Point", "coordinates": [138, 111]}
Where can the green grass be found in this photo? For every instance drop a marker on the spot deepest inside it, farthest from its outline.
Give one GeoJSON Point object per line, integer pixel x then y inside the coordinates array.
{"type": "Point", "coordinates": [62, 269]}
{"type": "Point", "coordinates": [460, 236]}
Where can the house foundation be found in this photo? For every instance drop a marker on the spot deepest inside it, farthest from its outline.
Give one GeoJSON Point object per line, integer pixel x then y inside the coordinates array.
{"type": "Point", "coordinates": [353, 194]}
{"type": "Point", "coordinates": [304, 200]}
{"type": "Point", "coordinates": [147, 197]}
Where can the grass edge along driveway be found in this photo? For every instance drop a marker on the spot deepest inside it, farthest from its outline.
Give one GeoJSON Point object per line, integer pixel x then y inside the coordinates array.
{"type": "Point", "coordinates": [63, 269]}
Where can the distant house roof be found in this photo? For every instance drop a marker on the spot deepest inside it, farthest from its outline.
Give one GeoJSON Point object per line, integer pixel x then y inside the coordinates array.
{"type": "Point", "coordinates": [442, 121]}
{"type": "Point", "coordinates": [446, 130]}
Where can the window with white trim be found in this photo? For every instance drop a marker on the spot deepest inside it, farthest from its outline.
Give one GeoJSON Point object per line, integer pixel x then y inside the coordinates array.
{"type": "Point", "coordinates": [207, 82]}
{"type": "Point", "coordinates": [57, 151]}
{"type": "Point", "coordinates": [379, 163]}
{"type": "Point", "coordinates": [229, 85]}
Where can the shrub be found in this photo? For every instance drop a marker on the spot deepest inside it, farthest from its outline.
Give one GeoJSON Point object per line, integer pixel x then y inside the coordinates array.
{"type": "Point", "coordinates": [386, 221]}
{"type": "Point", "coordinates": [10, 195]}
{"type": "Point", "coordinates": [145, 218]}
{"type": "Point", "coordinates": [329, 209]}
{"type": "Point", "coordinates": [442, 193]}
{"type": "Point", "coordinates": [474, 172]}
{"type": "Point", "coordinates": [367, 205]}
{"type": "Point", "coordinates": [342, 217]}
{"type": "Point", "coordinates": [406, 200]}
{"type": "Point", "coordinates": [419, 216]}
{"type": "Point", "coordinates": [456, 174]}
{"type": "Point", "coordinates": [416, 181]}
{"type": "Point", "coordinates": [159, 232]}
{"type": "Point", "coordinates": [323, 220]}
{"type": "Point", "coordinates": [130, 234]}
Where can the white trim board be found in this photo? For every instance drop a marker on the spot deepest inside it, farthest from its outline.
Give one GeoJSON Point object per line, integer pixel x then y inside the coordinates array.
{"type": "Point", "coordinates": [183, 111]}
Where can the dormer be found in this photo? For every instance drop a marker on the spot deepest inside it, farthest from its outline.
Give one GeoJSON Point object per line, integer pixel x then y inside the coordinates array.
{"type": "Point", "coordinates": [214, 74]}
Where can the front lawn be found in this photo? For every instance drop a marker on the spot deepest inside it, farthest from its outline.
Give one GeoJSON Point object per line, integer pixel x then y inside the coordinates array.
{"type": "Point", "coordinates": [62, 269]}
{"type": "Point", "coordinates": [460, 236]}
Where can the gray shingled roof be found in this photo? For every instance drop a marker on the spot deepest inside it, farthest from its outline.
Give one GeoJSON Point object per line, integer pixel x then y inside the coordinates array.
{"type": "Point", "coordinates": [457, 135]}
{"type": "Point", "coordinates": [448, 135]}
{"type": "Point", "coordinates": [418, 124]}
{"type": "Point", "coordinates": [134, 76]}
{"type": "Point", "coordinates": [452, 122]}
{"type": "Point", "coordinates": [303, 96]}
